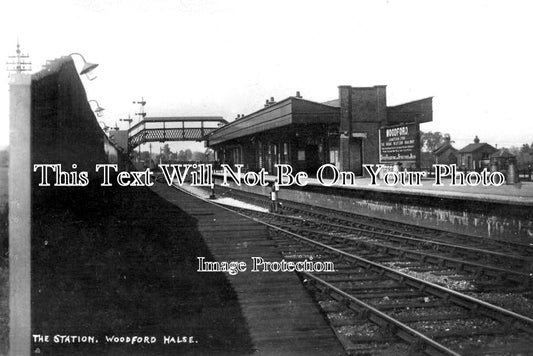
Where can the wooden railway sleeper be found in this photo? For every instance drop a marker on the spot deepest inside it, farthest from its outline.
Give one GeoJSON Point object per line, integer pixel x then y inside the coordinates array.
{"type": "Point", "coordinates": [299, 208]}
{"type": "Point", "coordinates": [435, 290]}
{"type": "Point", "coordinates": [369, 313]}
{"type": "Point", "coordinates": [479, 273]}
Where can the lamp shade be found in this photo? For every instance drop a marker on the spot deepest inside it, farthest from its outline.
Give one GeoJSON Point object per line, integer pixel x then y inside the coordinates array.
{"type": "Point", "coordinates": [88, 67]}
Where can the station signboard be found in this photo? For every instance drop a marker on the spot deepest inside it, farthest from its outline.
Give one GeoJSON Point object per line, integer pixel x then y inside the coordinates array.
{"type": "Point", "coordinates": [399, 143]}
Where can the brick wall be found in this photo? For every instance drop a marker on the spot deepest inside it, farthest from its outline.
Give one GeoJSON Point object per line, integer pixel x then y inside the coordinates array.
{"type": "Point", "coordinates": [63, 126]}
{"type": "Point", "coordinates": [363, 111]}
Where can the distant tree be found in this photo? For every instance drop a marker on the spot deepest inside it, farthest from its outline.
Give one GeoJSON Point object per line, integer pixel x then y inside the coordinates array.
{"type": "Point", "coordinates": [514, 150]}
{"type": "Point", "coordinates": [524, 156]}
{"type": "Point", "coordinates": [182, 157]}
{"type": "Point", "coordinates": [145, 156]}
{"type": "Point", "coordinates": [166, 151]}
{"type": "Point", "coordinates": [429, 141]}
{"type": "Point", "coordinates": [134, 155]}
{"type": "Point", "coordinates": [198, 156]}
{"type": "Point", "coordinates": [188, 154]}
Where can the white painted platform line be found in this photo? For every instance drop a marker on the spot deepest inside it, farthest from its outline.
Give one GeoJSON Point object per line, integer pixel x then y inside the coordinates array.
{"type": "Point", "coordinates": [240, 204]}
{"type": "Point", "coordinates": [221, 200]}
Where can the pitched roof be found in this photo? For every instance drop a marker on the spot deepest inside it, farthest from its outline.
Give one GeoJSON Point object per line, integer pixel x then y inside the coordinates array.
{"type": "Point", "coordinates": [474, 147]}
{"type": "Point", "coordinates": [335, 102]}
{"type": "Point", "coordinates": [502, 153]}
{"type": "Point", "coordinates": [414, 111]}
{"type": "Point", "coordinates": [443, 148]}
{"type": "Point", "coordinates": [289, 111]}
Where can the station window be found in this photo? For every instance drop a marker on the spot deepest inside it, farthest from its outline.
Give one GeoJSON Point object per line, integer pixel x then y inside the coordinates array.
{"type": "Point", "coordinates": [334, 158]}
{"type": "Point", "coordinates": [236, 156]}
{"type": "Point", "coordinates": [273, 151]}
{"type": "Point", "coordinates": [301, 155]}
{"type": "Point", "coordinates": [260, 154]}
{"type": "Point", "coordinates": [268, 157]}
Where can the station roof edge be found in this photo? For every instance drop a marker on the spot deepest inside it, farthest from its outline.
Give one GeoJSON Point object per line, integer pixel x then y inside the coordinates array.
{"type": "Point", "coordinates": [271, 107]}
{"type": "Point", "coordinates": [408, 103]}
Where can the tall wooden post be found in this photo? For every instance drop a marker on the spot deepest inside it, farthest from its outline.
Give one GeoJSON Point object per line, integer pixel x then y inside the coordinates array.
{"type": "Point", "coordinates": [20, 214]}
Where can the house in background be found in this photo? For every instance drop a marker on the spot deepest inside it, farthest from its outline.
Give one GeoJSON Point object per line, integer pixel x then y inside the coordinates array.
{"type": "Point", "coordinates": [445, 153]}
{"type": "Point", "coordinates": [475, 156]}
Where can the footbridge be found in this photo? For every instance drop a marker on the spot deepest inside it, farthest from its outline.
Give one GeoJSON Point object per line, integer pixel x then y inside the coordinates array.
{"type": "Point", "coordinates": [175, 128]}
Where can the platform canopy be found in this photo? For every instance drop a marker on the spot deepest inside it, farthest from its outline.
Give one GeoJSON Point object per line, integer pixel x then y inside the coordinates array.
{"type": "Point", "coordinates": [292, 110]}
{"type": "Point", "coordinates": [418, 111]}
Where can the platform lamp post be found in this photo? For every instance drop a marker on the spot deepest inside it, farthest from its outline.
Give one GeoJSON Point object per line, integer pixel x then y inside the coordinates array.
{"type": "Point", "coordinates": [87, 66]}
{"type": "Point", "coordinates": [99, 110]}
{"type": "Point", "coordinates": [105, 128]}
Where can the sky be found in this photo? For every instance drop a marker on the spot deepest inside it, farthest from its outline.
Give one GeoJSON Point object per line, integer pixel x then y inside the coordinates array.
{"type": "Point", "coordinates": [224, 58]}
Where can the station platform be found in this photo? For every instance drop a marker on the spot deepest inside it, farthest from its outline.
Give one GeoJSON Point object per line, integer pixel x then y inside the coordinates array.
{"type": "Point", "coordinates": [514, 194]}
{"type": "Point", "coordinates": [502, 212]}
{"type": "Point", "coordinates": [281, 317]}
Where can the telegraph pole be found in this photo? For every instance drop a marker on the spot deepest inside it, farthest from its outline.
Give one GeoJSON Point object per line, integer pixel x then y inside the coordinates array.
{"type": "Point", "coordinates": [19, 204]}
{"type": "Point", "coordinates": [150, 157]}
{"type": "Point", "coordinates": [141, 114]}
{"type": "Point", "coordinates": [128, 120]}
{"type": "Point", "coordinates": [20, 62]}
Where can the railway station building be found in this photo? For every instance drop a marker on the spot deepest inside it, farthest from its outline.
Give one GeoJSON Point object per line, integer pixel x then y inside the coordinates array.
{"type": "Point", "coordinates": [475, 156]}
{"type": "Point", "coordinates": [306, 134]}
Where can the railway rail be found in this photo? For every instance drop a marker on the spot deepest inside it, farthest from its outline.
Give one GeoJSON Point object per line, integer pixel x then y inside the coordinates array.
{"type": "Point", "coordinates": [457, 322]}
{"type": "Point", "coordinates": [500, 261]}
{"type": "Point", "coordinates": [382, 305]}
{"type": "Point", "coordinates": [515, 257]}
{"type": "Point", "coordinates": [466, 262]}
{"type": "Point", "coordinates": [518, 250]}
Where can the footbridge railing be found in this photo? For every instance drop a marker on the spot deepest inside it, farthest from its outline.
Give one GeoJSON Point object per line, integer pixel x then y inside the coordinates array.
{"type": "Point", "coordinates": [176, 128]}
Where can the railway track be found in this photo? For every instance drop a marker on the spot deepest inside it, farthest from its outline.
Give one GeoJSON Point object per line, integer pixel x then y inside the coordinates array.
{"type": "Point", "coordinates": [427, 317]}
{"type": "Point", "coordinates": [407, 307]}
{"type": "Point", "coordinates": [376, 309]}
{"type": "Point", "coordinates": [422, 256]}
{"type": "Point", "coordinates": [512, 262]}
{"type": "Point", "coordinates": [517, 250]}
